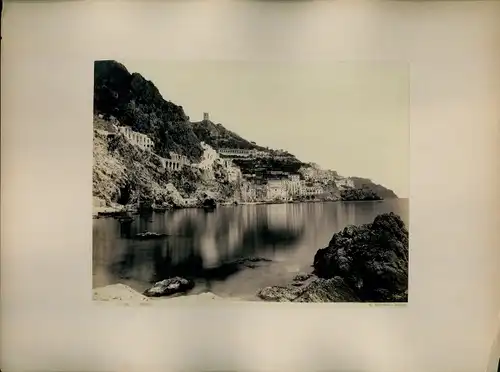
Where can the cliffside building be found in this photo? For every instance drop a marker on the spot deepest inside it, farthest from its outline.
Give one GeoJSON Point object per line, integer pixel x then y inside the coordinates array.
{"type": "Point", "coordinates": [136, 138]}
{"type": "Point", "coordinates": [236, 152]}
{"type": "Point", "coordinates": [292, 185]}
{"type": "Point", "coordinates": [276, 190]}
{"type": "Point", "coordinates": [176, 161]}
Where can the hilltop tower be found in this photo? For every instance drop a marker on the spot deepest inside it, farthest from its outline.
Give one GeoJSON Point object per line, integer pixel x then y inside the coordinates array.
{"type": "Point", "coordinates": [205, 116]}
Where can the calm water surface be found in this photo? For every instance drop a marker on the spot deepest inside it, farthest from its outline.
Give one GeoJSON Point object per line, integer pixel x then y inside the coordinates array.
{"type": "Point", "coordinates": [203, 245]}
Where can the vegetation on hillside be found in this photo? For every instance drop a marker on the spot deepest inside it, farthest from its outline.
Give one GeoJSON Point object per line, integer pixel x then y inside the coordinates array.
{"type": "Point", "coordinates": [262, 167]}
{"type": "Point", "coordinates": [219, 137]}
{"type": "Point", "coordinates": [124, 174]}
{"type": "Point", "coordinates": [355, 194]}
{"type": "Point", "coordinates": [135, 101]}
{"type": "Point", "coordinates": [367, 184]}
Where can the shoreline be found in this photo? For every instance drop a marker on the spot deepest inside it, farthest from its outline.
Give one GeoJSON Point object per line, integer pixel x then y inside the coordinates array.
{"type": "Point", "coordinates": [99, 211]}
{"type": "Point", "coordinates": [125, 295]}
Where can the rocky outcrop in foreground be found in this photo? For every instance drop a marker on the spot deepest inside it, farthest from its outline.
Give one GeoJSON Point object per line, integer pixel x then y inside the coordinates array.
{"type": "Point", "coordinates": [169, 287]}
{"type": "Point", "coordinates": [313, 289]}
{"type": "Point", "coordinates": [367, 263]}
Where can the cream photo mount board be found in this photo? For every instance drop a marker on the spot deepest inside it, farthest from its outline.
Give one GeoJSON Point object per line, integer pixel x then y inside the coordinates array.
{"type": "Point", "coordinates": [49, 320]}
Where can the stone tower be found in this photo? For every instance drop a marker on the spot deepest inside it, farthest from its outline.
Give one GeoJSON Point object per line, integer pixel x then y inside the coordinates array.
{"type": "Point", "coordinates": [205, 116]}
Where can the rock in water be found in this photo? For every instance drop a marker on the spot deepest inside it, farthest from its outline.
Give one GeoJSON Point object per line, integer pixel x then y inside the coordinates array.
{"type": "Point", "coordinates": [169, 287]}
{"type": "Point", "coordinates": [371, 259]}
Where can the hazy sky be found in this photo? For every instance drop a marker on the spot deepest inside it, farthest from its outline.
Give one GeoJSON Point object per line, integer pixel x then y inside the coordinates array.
{"type": "Point", "coordinates": [352, 117]}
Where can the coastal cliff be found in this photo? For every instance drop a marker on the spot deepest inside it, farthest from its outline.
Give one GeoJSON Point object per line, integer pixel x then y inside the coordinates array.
{"type": "Point", "coordinates": [125, 173]}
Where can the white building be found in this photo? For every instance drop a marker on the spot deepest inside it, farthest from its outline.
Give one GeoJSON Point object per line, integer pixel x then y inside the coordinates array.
{"type": "Point", "coordinates": [312, 190]}
{"type": "Point", "coordinates": [276, 190]}
{"type": "Point", "coordinates": [236, 152]}
{"type": "Point", "coordinates": [136, 138]}
{"type": "Point", "coordinates": [175, 162]}
{"type": "Point", "coordinates": [292, 185]}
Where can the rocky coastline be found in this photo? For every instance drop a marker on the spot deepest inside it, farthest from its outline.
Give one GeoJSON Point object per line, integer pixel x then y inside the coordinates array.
{"type": "Point", "coordinates": [366, 263]}
{"type": "Point", "coordinates": [147, 152]}
{"type": "Point", "coordinates": [120, 211]}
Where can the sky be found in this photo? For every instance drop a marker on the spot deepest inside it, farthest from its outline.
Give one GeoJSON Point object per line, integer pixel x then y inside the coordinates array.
{"type": "Point", "coordinates": [352, 117]}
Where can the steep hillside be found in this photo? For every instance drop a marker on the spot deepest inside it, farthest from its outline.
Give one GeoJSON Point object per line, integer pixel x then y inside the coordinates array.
{"type": "Point", "coordinates": [123, 174]}
{"type": "Point", "coordinates": [136, 102]}
{"type": "Point", "coordinates": [219, 137]}
{"type": "Point", "coordinates": [130, 99]}
{"type": "Point", "coordinates": [367, 184]}
{"type": "Point", "coordinates": [263, 167]}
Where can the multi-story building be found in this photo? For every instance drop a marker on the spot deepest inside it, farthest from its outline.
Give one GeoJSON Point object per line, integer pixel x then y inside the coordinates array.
{"type": "Point", "coordinates": [292, 185]}
{"type": "Point", "coordinates": [276, 190]}
{"type": "Point", "coordinates": [309, 191]}
{"type": "Point", "coordinates": [139, 139]}
{"type": "Point", "coordinates": [175, 162]}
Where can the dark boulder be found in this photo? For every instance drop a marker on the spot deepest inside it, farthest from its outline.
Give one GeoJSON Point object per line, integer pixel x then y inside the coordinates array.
{"type": "Point", "coordinates": [371, 259]}
{"type": "Point", "coordinates": [169, 287]}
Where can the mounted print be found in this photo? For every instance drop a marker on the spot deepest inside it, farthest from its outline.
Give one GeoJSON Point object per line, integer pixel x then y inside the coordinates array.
{"type": "Point", "coordinates": [250, 181]}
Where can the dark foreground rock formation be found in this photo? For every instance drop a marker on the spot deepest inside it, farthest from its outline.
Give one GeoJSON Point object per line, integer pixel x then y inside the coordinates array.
{"type": "Point", "coordinates": [367, 263]}
{"type": "Point", "coordinates": [372, 259]}
{"type": "Point", "coordinates": [169, 287]}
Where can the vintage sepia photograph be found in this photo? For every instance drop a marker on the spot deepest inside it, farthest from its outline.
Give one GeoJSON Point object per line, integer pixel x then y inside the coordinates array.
{"type": "Point", "coordinates": [250, 181]}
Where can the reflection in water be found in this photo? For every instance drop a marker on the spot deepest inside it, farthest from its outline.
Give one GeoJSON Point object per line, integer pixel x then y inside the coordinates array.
{"type": "Point", "coordinates": [205, 246]}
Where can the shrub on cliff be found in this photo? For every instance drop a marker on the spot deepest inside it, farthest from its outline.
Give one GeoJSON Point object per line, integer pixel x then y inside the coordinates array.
{"type": "Point", "coordinates": [136, 102]}
{"type": "Point", "coordinates": [365, 183]}
{"type": "Point", "coordinates": [361, 194]}
{"type": "Point", "coordinates": [372, 259]}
